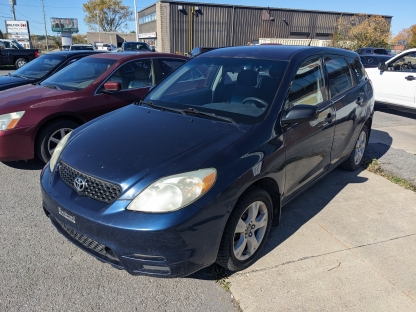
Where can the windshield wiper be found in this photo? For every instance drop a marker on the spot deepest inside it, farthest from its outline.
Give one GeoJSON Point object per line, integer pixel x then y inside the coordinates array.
{"type": "Point", "coordinates": [51, 86]}
{"type": "Point", "coordinates": [197, 112]}
{"type": "Point", "coordinates": [162, 108]}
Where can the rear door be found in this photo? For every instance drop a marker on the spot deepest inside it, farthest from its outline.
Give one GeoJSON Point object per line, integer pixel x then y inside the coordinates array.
{"type": "Point", "coordinates": [133, 85]}
{"type": "Point", "coordinates": [347, 89]}
{"type": "Point", "coordinates": [308, 144]}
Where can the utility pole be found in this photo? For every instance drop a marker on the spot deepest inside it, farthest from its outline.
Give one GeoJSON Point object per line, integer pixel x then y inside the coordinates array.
{"type": "Point", "coordinates": [135, 21]}
{"type": "Point", "coordinates": [98, 26]}
{"type": "Point", "coordinates": [44, 24]}
{"type": "Point", "coordinates": [12, 4]}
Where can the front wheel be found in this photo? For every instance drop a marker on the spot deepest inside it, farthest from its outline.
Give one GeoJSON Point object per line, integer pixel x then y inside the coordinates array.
{"type": "Point", "coordinates": [20, 62]}
{"type": "Point", "coordinates": [354, 161]}
{"type": "Point", "coordinates": [246, 231]}
{"type": "Point", "coordinates": [50, 136]}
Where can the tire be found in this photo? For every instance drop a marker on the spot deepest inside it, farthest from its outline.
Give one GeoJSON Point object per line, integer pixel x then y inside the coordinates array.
{"type": "Point", "coordinates": [355, 160]}
{"type": "Point", "coordinates": [50, 136]}
{"type": "Point", "coordinates": [237, 250]}
{"type": "Point", "coordinates": [20, 62]}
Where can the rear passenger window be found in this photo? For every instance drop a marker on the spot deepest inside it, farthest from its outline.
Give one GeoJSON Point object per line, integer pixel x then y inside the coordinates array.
{"type": "Point", "coordinates": [358, 70]}
{"type": "Point", "coordinates": [308, 85]}
{"type": "Point", "coordinates": [339, 75]}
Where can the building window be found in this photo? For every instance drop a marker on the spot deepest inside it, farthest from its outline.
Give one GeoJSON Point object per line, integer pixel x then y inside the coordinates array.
{"type": "Point", "coordinates": [148, 18]}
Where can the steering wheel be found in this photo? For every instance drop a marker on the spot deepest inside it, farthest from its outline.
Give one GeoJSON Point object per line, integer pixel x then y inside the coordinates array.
{"type": "Point", "coordinates": [405, 66]}
{"type": "Point", "coordinates": [258, 100]}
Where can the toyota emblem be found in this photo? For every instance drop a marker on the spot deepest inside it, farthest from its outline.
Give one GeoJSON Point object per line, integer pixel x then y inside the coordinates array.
{"type": "Point", "coordinates": [79, 184]}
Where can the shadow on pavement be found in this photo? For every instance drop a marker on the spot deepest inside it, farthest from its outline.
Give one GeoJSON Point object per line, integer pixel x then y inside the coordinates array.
{"type": "Point", "coordinates": [295, 215]}
{"type": "Point", "coordinates": [396, 110]}
{"type": "Point", "coordinates": [33, 164]}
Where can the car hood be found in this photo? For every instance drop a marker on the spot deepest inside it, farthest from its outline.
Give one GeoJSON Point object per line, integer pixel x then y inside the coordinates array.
{"type": "Point", "coordinates": [10, 81]}
{"type": "Point", "coordinates": [136, 143]}
{"type": "Point", "coordinates": [23, 97]}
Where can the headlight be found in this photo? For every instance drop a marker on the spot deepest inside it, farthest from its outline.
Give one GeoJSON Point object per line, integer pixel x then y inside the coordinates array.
{"type": "Point", "coordinates": [9, 121]}
{"type": "Point", "coordinates": [174, 192]}
{"type": "Point", "coordinates": [58, 150]}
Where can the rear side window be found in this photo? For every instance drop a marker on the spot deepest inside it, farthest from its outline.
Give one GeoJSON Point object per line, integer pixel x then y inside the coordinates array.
{"type": "Point", "coordinates": [339, 75]}
{"type": "Point", "coordinates": [381, 51]}
{"type": "Point", "coordinates": [308, 85]}
{"type": "Point", "coordinates": [357, 70]}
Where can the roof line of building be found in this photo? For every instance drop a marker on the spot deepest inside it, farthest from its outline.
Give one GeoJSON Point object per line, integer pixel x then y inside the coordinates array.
{"type": "Point", "coordinates": [257, 7]}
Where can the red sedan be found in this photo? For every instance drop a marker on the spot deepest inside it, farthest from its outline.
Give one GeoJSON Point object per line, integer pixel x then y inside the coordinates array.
{"type": "Point", "coordinates": [34, 118]}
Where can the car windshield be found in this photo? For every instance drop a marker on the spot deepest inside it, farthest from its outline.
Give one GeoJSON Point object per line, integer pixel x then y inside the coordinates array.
{"type": "Point", "coordinates": [236, 88]}
{"type": "Point", "coordinates": [79, 75]}
{"type": "Point", "coordinates": [39, 67]}
{"type": "Point", "coordinates": [134, 46]}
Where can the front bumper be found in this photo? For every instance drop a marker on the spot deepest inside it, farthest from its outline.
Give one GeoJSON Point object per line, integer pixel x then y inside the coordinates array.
{"type": "Point", "coordinates": [17, 144]}
{"type": "Point", "coordinates": [163, 245]}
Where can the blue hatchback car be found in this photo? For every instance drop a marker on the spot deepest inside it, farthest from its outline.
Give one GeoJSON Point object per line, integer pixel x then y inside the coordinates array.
{"type": "Point", "coordinates": [198, 170]}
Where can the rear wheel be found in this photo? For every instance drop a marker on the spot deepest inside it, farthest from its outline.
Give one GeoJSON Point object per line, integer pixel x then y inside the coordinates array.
{"type": "Point", "coordinates": [20, 62]}
{"type": "Point", "coordinates": [246, 231]}
{"type": "Point", "coordinates": [354, 161]}
{"type": "Point", "coordinates": [50, 136]}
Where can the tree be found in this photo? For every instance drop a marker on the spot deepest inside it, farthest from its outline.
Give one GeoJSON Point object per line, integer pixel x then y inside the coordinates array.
{"type": "Point", "coordinates": [412, 42]}
{"type": "Point", "coordinates": [79, 38]}
{"type": "Point", "coordinates": [110, 15]}
{"type": "Point", "coordinates": [403, 37]}
{"type": "Point", "coordinates": [361, 31]}
{"type": "Point", "coordinates": [1, 35]}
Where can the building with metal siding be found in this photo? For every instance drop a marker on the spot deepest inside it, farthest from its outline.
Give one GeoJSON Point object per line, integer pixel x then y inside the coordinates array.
{"type": "Point", "coordinates": [181, 26]}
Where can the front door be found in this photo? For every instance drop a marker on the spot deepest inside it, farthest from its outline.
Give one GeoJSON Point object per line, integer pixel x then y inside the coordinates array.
{"type": "Point", "coordinates": [135, 77]}
{"type": "Point", "coordinates": [397, 84]}
{"type": "Point", "coordinates": [308, 144]}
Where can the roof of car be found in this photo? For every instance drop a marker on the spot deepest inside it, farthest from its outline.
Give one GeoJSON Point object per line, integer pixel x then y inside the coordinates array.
{"type": "Point", "coordinates": [82, 44]}
{"type": "Point", "coordinates": [273, 52]}
{"type": "Point", "coordinates": [132, 55]}
{"type": "Point", "coordinates": [75, 52]}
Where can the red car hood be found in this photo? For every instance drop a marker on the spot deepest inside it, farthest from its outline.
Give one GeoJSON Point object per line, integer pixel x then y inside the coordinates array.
{"type": "Point", "coordinates": [24, 97]}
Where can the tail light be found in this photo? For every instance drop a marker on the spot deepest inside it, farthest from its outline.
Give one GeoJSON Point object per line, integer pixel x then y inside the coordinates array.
{"type": "Point", "coordinates": [37, 53]}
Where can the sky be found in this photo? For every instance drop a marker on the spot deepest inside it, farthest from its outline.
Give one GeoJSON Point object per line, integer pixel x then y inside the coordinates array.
{"type": "Point", "coordinates": [31, 10]}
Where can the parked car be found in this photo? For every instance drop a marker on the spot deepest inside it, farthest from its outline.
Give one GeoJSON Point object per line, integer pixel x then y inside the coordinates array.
{"type": "Point", "coordinates": [38, 116]}
{"type": "Point", "coordinates": [372, 60]}
{"type": "Point", "coordinates": [395, 80]}
{"type": "Point", "coordinates": [197, 171]}
{"type": "Point", "coordinates": [41, 68]}
{"type": "Point", "coordinates": [129, 46]}
{"type": "Point", "coordinates": [80, 46]}
{"type": "Point", "coordinates": [370, 50]}
{"type": "Point", "coordinates": [106, 47]}
{"type": "Point", "coordinates": [12, 53]}
{"type": "Point", "coordinates": [199, 50]}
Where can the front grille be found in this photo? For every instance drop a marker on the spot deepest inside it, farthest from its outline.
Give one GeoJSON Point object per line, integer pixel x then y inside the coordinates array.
{"type": "Point", "coordinates": [90, 244]}
{"type": "Point", "coordinates": [95, 188]}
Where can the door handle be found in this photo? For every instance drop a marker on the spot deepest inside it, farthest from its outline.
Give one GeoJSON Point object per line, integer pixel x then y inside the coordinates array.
{"type": "Point", "coordinates": [410, 78]}
{"type": "Point", "coordinates": [329, 118]}
{"type": "Point", "coordinates": [359, 100]}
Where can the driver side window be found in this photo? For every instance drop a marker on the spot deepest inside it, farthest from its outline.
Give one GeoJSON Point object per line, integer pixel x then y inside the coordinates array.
{"type": "Point", "coordinates": [308, 85]}
{"type": "Point", "coordinates": [406, 63]}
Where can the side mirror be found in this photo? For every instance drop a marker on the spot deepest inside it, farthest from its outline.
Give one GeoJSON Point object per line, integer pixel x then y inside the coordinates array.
{"type": "Point", "coordinates": [382, 66]}
{"type": "Point", "coordinates": [112, 86]}
{"type": "Point", "coordinates": [300, 113]}
{"type": "Point", "coordinates": [153, 50]}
